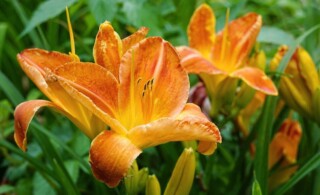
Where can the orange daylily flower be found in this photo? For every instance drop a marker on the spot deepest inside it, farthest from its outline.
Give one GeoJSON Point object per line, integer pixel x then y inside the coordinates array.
{"type": "Point", "coordinates": [283, 150]}
{"type": "Point", "coordinates": [220, 59]}
{"type": "Point", "coordinates": [136, 86]}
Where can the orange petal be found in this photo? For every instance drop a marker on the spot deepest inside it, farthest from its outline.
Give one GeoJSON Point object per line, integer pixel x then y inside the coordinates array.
{"type": "Point", "coordinates": [134, 39]}
{"type": "Point", "coordinates": [46, 82]}
{"type": "Point", "coordinates": [42, 59]}
{"type": "Point", "coordinates": [285, 143]}
{"type": "Point", "coordinates": [191, 124]}
{"type": "Point", "coordinates": [193, 62]}
{"type": "Point", "coordinates": [23, 115]}
{"type": "Point", "coordinates": [37, 62]}
{"type": "Point", "coordinates": [241, 35]}
{"type": "Point", "coordinates": [256, 79]}
{"type": "Point", "coordinates": [94, 88]}
{"type": "Point", "coordinates": [107, 48]}
{"type": "Point", "coordinates": [94, 81]}
{"type": "Point", "coordinates": [152, 83]}
{"type": "Point", "coordinates": [201, 30]}
{"type": "Point", "coordinates": [111, 155]}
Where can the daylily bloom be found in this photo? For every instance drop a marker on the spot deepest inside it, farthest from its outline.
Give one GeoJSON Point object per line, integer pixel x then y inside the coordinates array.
{"type": "Point", "coordinates": [283, 151]}
{"type": "Point", "coordinates": [300, 87]}
{"type": "Point", "coordinates": [220, 59]}
{"type": "Point", "coordinates": [136, 87]}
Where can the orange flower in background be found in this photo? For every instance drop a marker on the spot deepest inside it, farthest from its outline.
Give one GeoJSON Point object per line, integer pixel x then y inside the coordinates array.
{"type": "Point", "coordinates": [136, 86]}
{"type": "Point", "coordinates": [283, 151]}
{"type": "Point", "coordinates": [220, 59]}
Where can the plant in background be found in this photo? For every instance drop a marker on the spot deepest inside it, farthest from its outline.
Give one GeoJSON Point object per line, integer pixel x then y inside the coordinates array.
{"type": "Point", "coordinates": [136, 86]}
{"type": "Point", "coordinates": [220, 59]}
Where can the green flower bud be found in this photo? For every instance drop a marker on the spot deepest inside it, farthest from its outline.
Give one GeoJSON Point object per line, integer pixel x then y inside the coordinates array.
{"type": "Point", "coordinates": [183, 174]}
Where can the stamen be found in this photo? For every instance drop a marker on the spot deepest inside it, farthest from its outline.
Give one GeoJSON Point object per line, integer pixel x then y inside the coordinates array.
{"type": "Point", "coordinates": [138, 81]}
{"type": "Point", "coordinates": [152, 82]}
{"type": "Point", "coordinates": [73, 49]}
{"type": "Point", "coordinates": [147, 100]}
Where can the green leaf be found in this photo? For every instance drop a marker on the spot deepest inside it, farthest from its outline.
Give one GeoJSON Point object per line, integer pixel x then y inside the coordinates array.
{"type": "Point", "coordinates": [256, 190]}
{"type": "Point", "coordinates": [34, 162]}
{"type": "Point", "coordinates": [103, 9]}
{"type": "Point", "coordinates": [79, 142]}
{"type": "Point", "coordinates": [84, 164]}
{"type": "Point", "coordinates": [141, 13]}
{"type": "Point", "coordinates": [185, 10]}
{"type": "Point", "coordinates": [6, 189]}
{"type": "Point", "coordinates": [312, 164]}
{"type": "Point", "coordinates": [45, 11]}
{"type": "Point", "coordinates": [10, 90]}
{"type": "Point", "coordinates": [5, 110]}
{"type": "Point", "coordinates": [23, 186]}
{"type": "Point", "coordinates": [34, 94]}
{"type": "Point", "coordinates": [261, 159]}
{"type": "Point", "coordinates": [41, 186]}
{"type": "Point", "coordinates": [3, 30]}
{"type": "Point", "coordinates": [57, 163]}
{"type": "Point", "coordinates": [72, 167]}
{"type": "Point", "coordinates": [275, 35]}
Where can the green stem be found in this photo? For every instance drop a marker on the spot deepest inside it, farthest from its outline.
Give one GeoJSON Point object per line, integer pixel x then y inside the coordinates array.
{"type": "Point", "coordinates": [262, 145]}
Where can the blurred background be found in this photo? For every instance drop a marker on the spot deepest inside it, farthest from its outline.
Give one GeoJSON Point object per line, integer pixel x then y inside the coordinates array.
{"type": "Point", "coordinates": [57, 156]}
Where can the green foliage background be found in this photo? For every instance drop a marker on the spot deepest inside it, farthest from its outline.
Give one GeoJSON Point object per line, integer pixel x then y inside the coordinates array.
{"type": "Point", "coordinates": [57, 158]}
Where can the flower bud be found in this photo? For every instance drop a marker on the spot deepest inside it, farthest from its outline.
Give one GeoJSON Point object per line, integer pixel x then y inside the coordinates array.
{"type": "Point", "coordinates": [136, 179]}
{"type": "Point", "coordinates": [153, 186]}
{"type": "Point", "coordinates": [300, 82]}
{"type": "Point", "coordinates": [258, 60]}
{"type": "Point", "coordinates": [183, 174]}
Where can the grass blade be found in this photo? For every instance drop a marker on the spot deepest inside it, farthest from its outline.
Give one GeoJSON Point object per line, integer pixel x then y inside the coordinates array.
{"type": "Point", "coordinates": [57, 163]}
{"type": "Point", "coordinates": [312, 164]}
{"type": "Point", "coordinates": [10, 90]}
{"type": "Point", "coordinates": [82, 162]}
{"type": "Point", "coordinates": [3, 30]}
{"type": "Point", "coordinates": [45, 11]}
{"type": "Point", "coordinates": [34, 162]}
{"type": "Point", "coordinates": [275, 36]}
